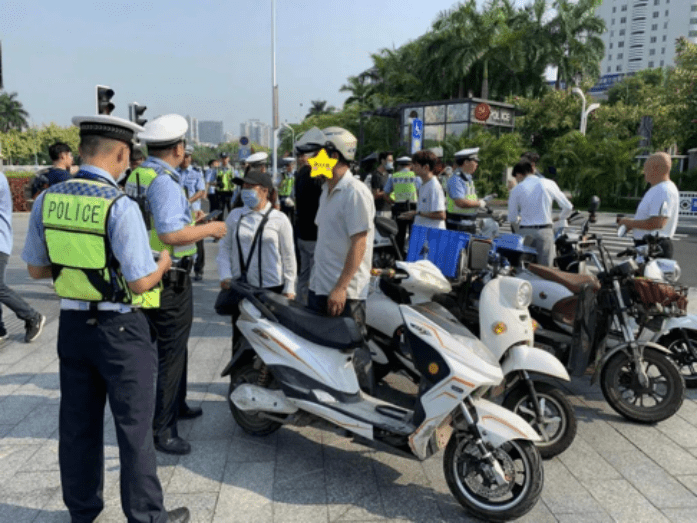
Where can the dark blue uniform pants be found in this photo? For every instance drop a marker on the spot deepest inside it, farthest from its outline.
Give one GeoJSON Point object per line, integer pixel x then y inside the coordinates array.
{"type": "Point", "coordinates": [172, 326]}
{"type": "Point", "coordinates": [116, 359]}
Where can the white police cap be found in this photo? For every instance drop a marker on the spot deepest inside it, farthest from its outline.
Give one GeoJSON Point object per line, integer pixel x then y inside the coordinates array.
{"type": "Point", "coordinates": [188, 150]}
{"type": "Point", "coordinates": [403, 159]}
{"type": "Point", "coordinates": [257, 158]}
{"type": "Point", "coordinates": [107, 127]}
{"type": "Point", "coordinates": [471, 154]}
{"type": "Point", "coordinates": [288, 160]}
{"type": "Point", "coordinates": [164, 130]}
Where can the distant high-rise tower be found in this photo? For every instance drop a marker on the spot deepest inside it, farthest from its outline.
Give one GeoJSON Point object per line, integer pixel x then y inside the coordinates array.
{"type": "Point", "coordinates": [210, 132]}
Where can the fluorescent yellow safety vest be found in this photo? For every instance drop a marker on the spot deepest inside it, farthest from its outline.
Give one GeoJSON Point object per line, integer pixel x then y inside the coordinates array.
{"type": "Point", "coordinates": [224, 177]}
{"type": "Point", "coordinates": [285, 188]}
{"type": "Point", "coordinates": [470, 194]}
{"type": "Point", "coordinates": [404, 187]}
{"type": "Point", "coordinates": [75, 215]}
{"type": "Point", "coordinates": [137, 187]}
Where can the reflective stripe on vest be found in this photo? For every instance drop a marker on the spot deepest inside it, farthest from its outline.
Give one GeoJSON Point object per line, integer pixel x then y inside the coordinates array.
{"type": "Point", "coordinates": [75, 215]}
{"type": "Point", "coordinates": [404, 186]}
{"type": "Point", "coordinates": [285, 188]}
{"type": "Point", "coordinates": [470, 194]}
{"type": "Point", "coordinates": [224, 178]}
{"type": "Point", "coordinates": [146, 175]}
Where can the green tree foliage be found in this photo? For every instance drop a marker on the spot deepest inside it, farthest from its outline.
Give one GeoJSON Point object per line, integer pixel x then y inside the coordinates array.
{"type": "Point", "coordinates": [18, 147]}
{"type": "Point", "coordinates": [12, 113]}
{"type": "Point", "coordinates": [319, 107]}
{"type": "Point", "coordinates": [681, 92]}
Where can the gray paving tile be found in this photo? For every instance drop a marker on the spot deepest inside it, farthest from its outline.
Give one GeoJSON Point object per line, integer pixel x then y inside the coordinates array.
{"type": "Point", "coordinates": [677, 429]}
{"type": "Point", "coordinates": [652, 481]}
{"type": "Point", "coordinates": [216, 422]}
{"type": "Point", "coordinates": [393, 470]}
{"type": "Point", "coordinates": [244, 447]}
{"type": "Point", "coordinates": [354, 502]}
{"type": "Point", "coordinates": [680, 515]}
{"type": "Point", "coordinates": [413, 503]}
{"type": "Point", "coordinates": [623, 502]}
{"type": "Point", "coordinates": [13, 458]}
{"type": "Point", "coordinates": [39, 425]}
{"type": "Point", "coordinates": [582, 460]}
{"type": "Point", "coordinates": [300, 506]}
{"type": "Point", "coordinates": [586, 517]}
{"type": "Point", "coordinates": [563, 493]}
{"type": "Point", "coordinates": [201, 504]}
{"type": "Point", "coordinates": [202, 470]}
{"type": "Point", "coordinates": [23, 482]}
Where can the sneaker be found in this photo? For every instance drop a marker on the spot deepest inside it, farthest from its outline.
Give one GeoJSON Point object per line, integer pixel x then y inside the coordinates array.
{"type": "Point", "coordinates": [3, 334]}
{"type": "Point", "coordinates": [34, 328]}
{"type": "Point", "coordinates": [198, 276]}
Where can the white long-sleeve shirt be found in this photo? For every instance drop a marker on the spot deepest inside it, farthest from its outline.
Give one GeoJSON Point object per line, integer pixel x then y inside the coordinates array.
{"type": "Point", "coordinates": [278, 264]}
{"type": "Point", "coordinates": [531, 200]}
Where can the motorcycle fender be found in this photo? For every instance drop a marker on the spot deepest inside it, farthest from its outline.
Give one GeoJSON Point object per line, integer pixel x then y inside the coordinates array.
{"type": "Point", "coordinates": [688, 322]}
{"type": "Point", "coordinates": [244, 350]}
{"type": "Point", "coordinates": [498, 425]}
{"type": "Point", "coordinates": [623, 347]}
{"type": "Point", "coordinates": [532, 359]}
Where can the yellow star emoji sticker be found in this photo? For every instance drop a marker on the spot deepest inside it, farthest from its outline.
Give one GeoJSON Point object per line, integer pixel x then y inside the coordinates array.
{"type": "Point", "coordinates": [322, 165]}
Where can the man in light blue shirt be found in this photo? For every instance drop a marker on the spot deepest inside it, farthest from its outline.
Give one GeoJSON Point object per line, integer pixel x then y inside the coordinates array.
{"type": "Point", "coordinates": [195, 188]}
{"type": "Point", "coordinates": [33, 320]}
{"type": "Point", "coordinates": [105, 347]}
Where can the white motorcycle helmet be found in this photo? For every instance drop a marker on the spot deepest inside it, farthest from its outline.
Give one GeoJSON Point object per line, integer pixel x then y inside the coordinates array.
{"type": "Point", "coordinates": [341, 140]}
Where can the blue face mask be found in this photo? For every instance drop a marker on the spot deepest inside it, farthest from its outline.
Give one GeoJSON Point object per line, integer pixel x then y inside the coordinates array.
{"type": "Point", "coordinates": [250, 198]}
{"type": "Point", "coordinates": [389, 166]}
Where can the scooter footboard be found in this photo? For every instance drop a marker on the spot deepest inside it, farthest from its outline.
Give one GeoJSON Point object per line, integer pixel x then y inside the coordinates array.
{"type": "Point", "coordinates": [498, 425]}
{"type": "Point", "coordinates": [532, 359]}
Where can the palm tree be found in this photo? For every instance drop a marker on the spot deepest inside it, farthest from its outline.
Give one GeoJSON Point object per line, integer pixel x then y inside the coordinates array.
{"type": "Point", "coordinates": [12, 113]}
{"type": "Point", "coordinates": [578, 48]}
{"type": "Point", "coordinates": [320, 107]}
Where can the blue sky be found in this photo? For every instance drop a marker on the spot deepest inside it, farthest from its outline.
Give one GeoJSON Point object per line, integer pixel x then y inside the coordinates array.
{"type": "Point", "coordinates": [209, 59]}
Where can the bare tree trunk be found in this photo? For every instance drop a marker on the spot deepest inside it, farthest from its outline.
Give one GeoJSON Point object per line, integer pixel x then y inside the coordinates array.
{"type": "Point", "coordinates": [485, 81]}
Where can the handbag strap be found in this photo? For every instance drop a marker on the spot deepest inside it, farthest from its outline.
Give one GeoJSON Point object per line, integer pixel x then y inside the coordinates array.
{"type": "Point", "coordinates": [257, 235]}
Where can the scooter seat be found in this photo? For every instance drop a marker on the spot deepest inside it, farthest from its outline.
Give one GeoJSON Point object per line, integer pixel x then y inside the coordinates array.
{"type": "Point", "coordinates": [386, 227]}
{"type": "Point", "coordinates": [573, 282]}
{"type": "Point", "coordinates": [337, 333]}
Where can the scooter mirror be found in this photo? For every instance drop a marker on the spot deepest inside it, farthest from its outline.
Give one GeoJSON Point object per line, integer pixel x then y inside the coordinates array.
{"type": "Point", "coordinates": [621, 231]}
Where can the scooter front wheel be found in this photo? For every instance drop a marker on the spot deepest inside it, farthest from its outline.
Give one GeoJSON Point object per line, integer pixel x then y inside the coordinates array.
{"type": "Point", "coordinates": [470, 479]}
{"type": "Point", "coordinates": [558, 425]}
{"type": "Point", "coordinates": [251, 422]}
{"type": "Point", "coordinates": [646, 404]}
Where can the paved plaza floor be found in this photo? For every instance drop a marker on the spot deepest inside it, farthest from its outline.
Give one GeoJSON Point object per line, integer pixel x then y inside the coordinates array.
{"type": "Point", "coordinates": [614, 471]}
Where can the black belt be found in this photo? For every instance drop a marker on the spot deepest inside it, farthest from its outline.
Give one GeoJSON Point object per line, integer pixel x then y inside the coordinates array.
{"type": "Point", "coordinates": [546, 226]}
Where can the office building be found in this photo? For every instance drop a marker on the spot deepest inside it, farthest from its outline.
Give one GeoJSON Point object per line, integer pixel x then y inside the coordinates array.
{"type": "Point", "coordinates": [211, 132]}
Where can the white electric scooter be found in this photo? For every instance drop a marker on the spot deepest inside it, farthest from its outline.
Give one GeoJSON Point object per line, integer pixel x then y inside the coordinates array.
{"type": "Point", "coordinates": [296, 367]}
{"type": "Point", "coordinates": [506, 333]}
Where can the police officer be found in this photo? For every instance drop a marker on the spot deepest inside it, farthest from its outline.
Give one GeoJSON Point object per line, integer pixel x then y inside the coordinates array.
{"type": "Point", "coordinates": [256, 161]}
{"type": "Point", "coordinates": [104, 273]}
{"type": "Point", "coordinates": [657, 213]}
{"type": "Point", "coordinates": [224, 185]}
{"type": "Point", "coordinates": [211, 184]}
{"type": "Point", "coordinates": [286, 189]}
{"type": "Point", "coordinates": [191, 179]}
{"type": "Point", "coordinates": [403, 189]}
{"type": "Point", "coordinates": [172, 228]}
{"type": "Point", "coordinates": [462, 201]}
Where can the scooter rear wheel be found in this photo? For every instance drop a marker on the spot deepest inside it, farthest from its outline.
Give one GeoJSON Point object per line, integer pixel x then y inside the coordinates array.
{"type": "Point", "coordinates": [558, 428]}
{"type": "Point", "coordinates": [657, 402]}
{"type": "Point", "coordinates": [682, 355]}
{"type": "Point", "coordinates": [467, 478]}
{"type": "Point", "coordinates": [250, 421]}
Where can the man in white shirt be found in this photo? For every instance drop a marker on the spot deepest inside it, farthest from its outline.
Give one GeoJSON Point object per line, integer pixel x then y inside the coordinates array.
{"type": "Point", "coordinates": [657, 213]}
{"type": "Point", "coordinates": [430, 208]}
{"type": "Point", "coordinates": [531, 202]}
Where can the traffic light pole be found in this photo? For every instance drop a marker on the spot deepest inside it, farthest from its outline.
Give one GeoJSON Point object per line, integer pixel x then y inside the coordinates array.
{"type": "Point", "coordinates": [274, 102]}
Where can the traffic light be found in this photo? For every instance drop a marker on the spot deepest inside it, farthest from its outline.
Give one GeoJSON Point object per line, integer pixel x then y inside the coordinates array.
{"type": "Point", "coordinates": [104, 95]}
{"type": "Point", "coordinates": [136, 113]}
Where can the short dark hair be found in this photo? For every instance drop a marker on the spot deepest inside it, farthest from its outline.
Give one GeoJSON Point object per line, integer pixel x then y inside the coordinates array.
{"type": "Point", "coordinates": [383, 155]}
{"type": "Point", "coordinates": [92, 145]}
{"type": "Point", "coordinates": [425, 158]}
{"type": "Point", "coordinates": [159, 151]}
{"type": "Point", "coordinates": [530, 156]}
{"type": "Point", "coordinates": [523, 167]}
{"type": "Point", "coordinates": [58, 148]}
{"type": "Point", "coordinates": [211, 162]}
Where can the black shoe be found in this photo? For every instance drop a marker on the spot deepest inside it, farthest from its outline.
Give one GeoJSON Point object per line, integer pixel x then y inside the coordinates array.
{"type": "Point", "coordinates": [178, 515]}
{"type": "Point", "coordinates": [190, 412]}
{"type": "Point", "coordinates": [198, 276]}
{"type": "Point", "coordinates": [34, 328]}
{"type": "Point", "coordinates": [174, 445]}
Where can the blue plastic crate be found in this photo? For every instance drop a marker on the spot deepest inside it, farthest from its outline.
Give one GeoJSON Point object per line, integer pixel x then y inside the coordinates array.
{"type": "Point", "coordinates": [439, 246]}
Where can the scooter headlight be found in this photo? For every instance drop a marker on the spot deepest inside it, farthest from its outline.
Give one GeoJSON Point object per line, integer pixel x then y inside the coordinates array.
{"type": "Point", "coordinates": [524, 295]}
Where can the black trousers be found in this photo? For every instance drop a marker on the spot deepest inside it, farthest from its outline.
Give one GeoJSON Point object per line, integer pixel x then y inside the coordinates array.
{"type": "Point", "coordinates": [200, 257]}
{"type": "Point", "coordinates": [213, 202]}
{"type": "Point", "coordinates": [172, 326]}
{"type": "Point", "coordinates": [115, 358]}
{"type": "Point", "coordinates": [224, 202]}
{"type": "Point", "coordinates": [402, 225]}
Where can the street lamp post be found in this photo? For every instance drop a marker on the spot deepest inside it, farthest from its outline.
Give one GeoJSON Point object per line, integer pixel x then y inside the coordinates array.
{"type": "Point", "coordinates": [292, 138]}
{"type": "Point", "coordinates": [274, 116]}
{"type": "Point", "coordinates": [584, 112]}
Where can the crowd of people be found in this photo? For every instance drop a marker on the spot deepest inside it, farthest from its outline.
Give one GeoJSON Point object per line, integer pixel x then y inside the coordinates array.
{"type": "Point", "coordinates": [121, 238]}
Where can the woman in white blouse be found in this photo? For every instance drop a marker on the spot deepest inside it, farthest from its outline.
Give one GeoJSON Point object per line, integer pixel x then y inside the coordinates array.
{"type": "Point", "coordinates": [266, 258]}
